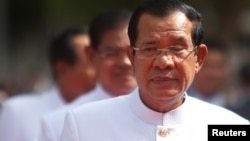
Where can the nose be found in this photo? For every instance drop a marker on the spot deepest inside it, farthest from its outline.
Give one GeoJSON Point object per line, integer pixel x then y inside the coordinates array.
{"type": "Point", "coordinates": [163, 51]}
{"type": "Point", "coordinates": [163, 60]}
{"type": "Point", "coordinates": [124, 61]}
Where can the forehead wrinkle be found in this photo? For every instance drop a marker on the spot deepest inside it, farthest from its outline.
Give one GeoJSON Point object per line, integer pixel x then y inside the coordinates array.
{"type": "Point", "coordinates": [169, 36]}
{"type": "Point", "coordinates": [149, 42]}
{"type": "Point", "coordinates": [165, 29]}
{"type": "Point", "coordinates": [179, 38]}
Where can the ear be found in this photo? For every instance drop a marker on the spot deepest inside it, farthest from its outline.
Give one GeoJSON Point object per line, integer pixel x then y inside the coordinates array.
{"type": "Point", "coordinates": [202, 51]}
{"type": "Point", "coordinates": [131, 56]}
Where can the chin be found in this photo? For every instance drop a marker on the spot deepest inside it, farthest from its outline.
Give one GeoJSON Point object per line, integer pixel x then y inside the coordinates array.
{"type": "Point", "coordinates": [127, 88]}
{"type": "Point", "coordinates": [165, 93]}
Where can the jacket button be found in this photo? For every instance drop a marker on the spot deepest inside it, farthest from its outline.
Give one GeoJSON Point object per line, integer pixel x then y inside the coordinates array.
{"type": "Point", "coordinates": [163, 132]}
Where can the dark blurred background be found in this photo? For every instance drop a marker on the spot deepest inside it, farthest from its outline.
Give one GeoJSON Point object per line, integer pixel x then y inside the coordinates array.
{"type": "Point", "coordinates": [26, 25]}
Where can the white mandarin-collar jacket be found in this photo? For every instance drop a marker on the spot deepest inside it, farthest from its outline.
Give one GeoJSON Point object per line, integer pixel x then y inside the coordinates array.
{"type": "Point", "coordinates": [52, 124]}
{"type": "Point", "coordinates": [126, 118]}
{"type": "Point", "coordinates": [20, 115]}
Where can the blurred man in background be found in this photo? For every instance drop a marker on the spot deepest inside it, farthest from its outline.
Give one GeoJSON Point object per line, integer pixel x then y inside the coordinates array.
{"type": "Point", "coordinates": [242, 93]}
{"type": "Point", "coordinates": [73, 74]}
{"type": "Point", "coordinates": [209, 84]}
{"type": "Point", "coordinates": [109, 39]}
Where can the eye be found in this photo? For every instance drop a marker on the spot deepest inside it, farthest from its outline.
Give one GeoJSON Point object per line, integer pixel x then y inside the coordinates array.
{"type": "Point", "coordinates": [149, 49]}
{"type": "Point", "coordinates": [177, 49]}
{"type": "Point", "coordinates": [111, 53]}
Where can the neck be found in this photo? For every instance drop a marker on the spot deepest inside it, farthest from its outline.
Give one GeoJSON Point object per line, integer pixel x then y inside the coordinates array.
{"type": "Point", "coordinates": [163, 105]}
{"type": "Point", "coordinates": [70, 95]}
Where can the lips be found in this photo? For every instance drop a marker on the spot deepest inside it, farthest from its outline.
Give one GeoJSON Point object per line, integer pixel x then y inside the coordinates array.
{"type": "Point", "coordinates": [160, 79]}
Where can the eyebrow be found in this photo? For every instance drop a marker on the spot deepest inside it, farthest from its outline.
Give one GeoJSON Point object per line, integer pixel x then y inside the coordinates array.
{"type": "Point", "coordinates": [150, 42]}
{"type": "Point", "coordinates": [178, 38]}
{"type": "Point", "coordinates": [172, 38]}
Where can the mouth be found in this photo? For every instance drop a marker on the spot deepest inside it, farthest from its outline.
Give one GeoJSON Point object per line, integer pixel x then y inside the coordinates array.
{"type": "Point", "coordinates": [123, 75]}
{"type": "Point", "coordinates": [163, 80]}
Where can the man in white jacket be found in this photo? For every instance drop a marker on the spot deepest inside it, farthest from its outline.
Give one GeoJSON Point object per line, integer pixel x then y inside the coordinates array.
{"type": "Point", "coordinates": [74, 75]}
{"type": "Point", "coordinates": [108, 33]}
{"type": "Point", "coordinates": [166, 52]}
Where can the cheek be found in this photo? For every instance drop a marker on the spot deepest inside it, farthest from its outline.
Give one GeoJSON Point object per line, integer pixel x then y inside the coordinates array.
{"type": "Point", "coordinates": [142, 70]}
{"type": "Point", "coordinates": [186, 73]}
{"type": "Point", "coordinates": [104, 70]}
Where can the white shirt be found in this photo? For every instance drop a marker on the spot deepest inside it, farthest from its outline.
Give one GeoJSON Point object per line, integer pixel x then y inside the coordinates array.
{"type": "Point", "coordinates": [126, 118]}
{"type": "Point", "coordinates": [20, 115]}
{"type": "Point", "coordinates": [52, 124]}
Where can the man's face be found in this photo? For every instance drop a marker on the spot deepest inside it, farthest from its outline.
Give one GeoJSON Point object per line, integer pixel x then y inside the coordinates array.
{"type": "Point", "coordinates": [165, 76]}
{"type": "Point", "coordinates": [213, 75]}
{"type": "Point", "coordinates": [82, 74]}
{"type": "Point", "coordinates": [112, 63]}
